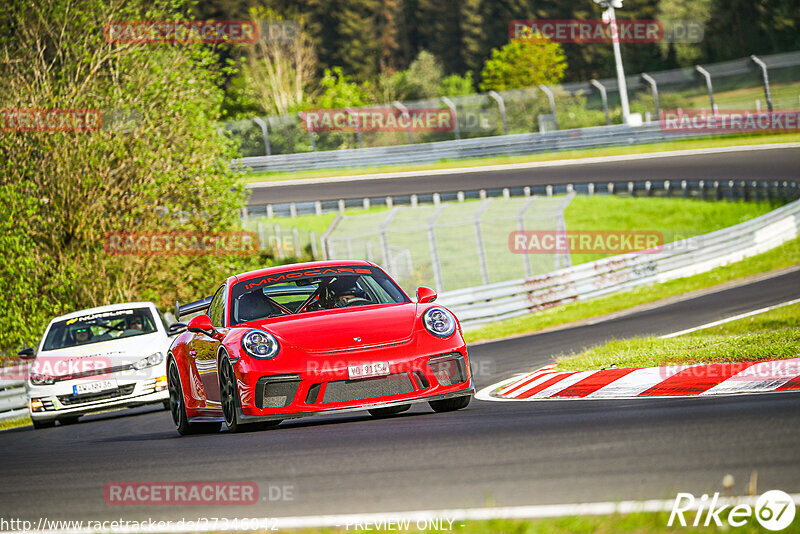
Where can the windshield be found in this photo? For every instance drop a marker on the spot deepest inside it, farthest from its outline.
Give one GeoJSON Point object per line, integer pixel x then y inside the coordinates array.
{"type": "Point", "coordinates": [312, 290]}
{"type": "Point", "coordinates": [97, 327]}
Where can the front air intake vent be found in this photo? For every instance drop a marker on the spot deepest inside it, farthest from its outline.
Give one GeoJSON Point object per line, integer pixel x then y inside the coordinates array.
{"type": "Point", "coordinates": [276, 391]}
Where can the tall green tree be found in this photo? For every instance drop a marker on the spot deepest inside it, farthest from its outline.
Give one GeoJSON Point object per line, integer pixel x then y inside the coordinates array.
{"type": "Point", "coordinates": [524, 63]}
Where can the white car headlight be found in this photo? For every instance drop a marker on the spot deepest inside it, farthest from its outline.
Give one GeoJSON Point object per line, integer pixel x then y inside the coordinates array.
{"type": "Point", "coordinates": [439, 322]}
{"type": "Point", "coordinates": [42, 380]}
{"type": "Point", "coordinates": [153, 359]}
{"type": "Point", "coordinates": [260, 344]}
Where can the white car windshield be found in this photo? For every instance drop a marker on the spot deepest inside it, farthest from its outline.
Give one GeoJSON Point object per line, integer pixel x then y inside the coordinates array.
{"type": "Point", "coordinates": [97, 327]}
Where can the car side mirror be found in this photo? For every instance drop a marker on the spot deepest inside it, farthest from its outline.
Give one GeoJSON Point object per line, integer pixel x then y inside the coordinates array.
{"type": "Point", "coordinates": [176, 328]}
{"type": "Point", "coordinates": [201, 324]}
{"type": "Point", "coordinates": [425, 295]}
{"type": "Point", "coordinates": [26, 353]}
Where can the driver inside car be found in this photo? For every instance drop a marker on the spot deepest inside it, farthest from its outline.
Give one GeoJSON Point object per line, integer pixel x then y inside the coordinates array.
{"type": "Point", "coordinates": [344, 291]}
{"type": "Point", "coordinates": [82, 335]}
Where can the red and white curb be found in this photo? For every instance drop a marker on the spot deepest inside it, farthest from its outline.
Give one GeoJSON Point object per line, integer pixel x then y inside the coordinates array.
{"type": "Point", "coordinates": [681, 380]}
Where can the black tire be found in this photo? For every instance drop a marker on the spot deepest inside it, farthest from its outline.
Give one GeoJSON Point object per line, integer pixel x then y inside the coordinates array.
{"type": "Point", "coordinates": [69, 420]}
{"type": "Point", "coordinates": [389, 411]}
{"type": "Point", "coordinates": [450, 405]}
{"type": "Point", "coordinates": [229, 397]}
{"type": "Point", "coordinates": [177, 407]}
{"type": "Point", "coordinates": [42, 424]}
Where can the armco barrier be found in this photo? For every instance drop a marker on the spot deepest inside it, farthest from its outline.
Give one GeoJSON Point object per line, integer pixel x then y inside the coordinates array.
{"type": "Point", "coordinates": [13, 400]}
{"type": "Point", "coordinates": [479, 305]}
{"type": "Point", "coordinates": [478, 147]}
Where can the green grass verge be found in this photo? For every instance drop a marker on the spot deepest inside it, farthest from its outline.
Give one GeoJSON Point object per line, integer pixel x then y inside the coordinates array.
{"type": "Point", "coordinates": [772, 335]}
{"type": "Point", "coordinates": [638, 523]}
{"type": "Point", "coordinates": [14, 423]}
{"type": "Point", "coordinates": [687, 144]}
{"type": "Point", "coordinates": [785, 255]}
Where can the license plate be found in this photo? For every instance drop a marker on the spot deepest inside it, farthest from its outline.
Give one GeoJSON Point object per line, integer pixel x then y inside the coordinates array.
{"type": "Point", "coordinates": [94, 387]}
{"type": "Point", "coordinates": [368, 370]}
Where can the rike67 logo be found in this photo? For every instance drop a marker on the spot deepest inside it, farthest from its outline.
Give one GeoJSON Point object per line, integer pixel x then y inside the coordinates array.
{"type": "Point", "coordinates": [774, 510]}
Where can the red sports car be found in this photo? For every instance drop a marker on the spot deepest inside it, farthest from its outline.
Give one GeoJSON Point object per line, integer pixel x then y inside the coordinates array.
{"type": "Point", "coordinates": [312, 338]}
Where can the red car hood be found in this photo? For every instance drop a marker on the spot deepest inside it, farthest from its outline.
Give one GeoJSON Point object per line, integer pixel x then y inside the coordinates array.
{"type": "Point", "coordinates": [352, 328]}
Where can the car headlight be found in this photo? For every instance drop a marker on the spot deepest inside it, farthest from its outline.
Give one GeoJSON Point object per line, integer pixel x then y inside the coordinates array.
{"type": "Point", "coordinates": [260, 344]}
{"type": "Point", "coordinates": [153, 359]}
{"type": "Point", "coordinates": [439, 322]}
{"type": "Point", "coordinates": [42, 380]}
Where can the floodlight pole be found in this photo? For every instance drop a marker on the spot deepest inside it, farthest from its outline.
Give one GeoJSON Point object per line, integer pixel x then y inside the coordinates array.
{"type": "Point", "coordinates": [608, 6]}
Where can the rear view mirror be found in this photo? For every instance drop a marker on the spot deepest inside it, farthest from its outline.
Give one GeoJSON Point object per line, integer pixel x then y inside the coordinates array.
{"type": "Point", "coordinates": [176, 328]}
{"type": "Point", "coordinates": [425, 295]}
{"type": "Point", "coordinates": [201, 324]}
{"type": "Point", "coordinates": [26, 353]}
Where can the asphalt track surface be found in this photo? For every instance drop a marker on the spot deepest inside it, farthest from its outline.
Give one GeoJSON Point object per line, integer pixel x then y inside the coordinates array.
{"type": "Point", "coordinates": [773, 164]}
{"type": "Point", "coordinates": [490, 453]}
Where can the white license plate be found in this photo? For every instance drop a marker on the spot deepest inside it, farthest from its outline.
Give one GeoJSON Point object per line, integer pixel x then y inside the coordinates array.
{"type": "Point", "coordinates": [94, 387]}
{"type": "Point", "coordinates": [368, 370]}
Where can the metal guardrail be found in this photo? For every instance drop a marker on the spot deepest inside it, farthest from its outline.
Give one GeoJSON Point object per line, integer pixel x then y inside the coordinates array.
{"type": "Point", "coordinates": [478, 147]}
{"type": "Point", "coordinates": [13, 399]}
{"type": "Point", "coordinates": [480, 305]}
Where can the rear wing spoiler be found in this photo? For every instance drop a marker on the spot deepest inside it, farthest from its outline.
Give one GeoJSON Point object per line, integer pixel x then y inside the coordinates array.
{"type": "Point", "coordinates": [192, 307]}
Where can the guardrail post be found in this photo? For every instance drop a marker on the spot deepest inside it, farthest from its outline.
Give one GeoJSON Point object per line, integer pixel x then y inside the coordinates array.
{"type": "Point", "coordinates": [685, 189]}
{"type": "Point", "coordinates": [460, 196]}
{"type": "Point", "coordinates": [648, 187]}
{"type": "Point", "coordinates": [631, 189]}
{"type": "Point", "coordinates": [506, 193]}
{"type": "Point", "coordinates": [732, 188]}
{"type": "Point", "coordinates": [604, 97]}
{"type": "Point", "coordinates": [526, 190]}
{"type": "Point", "coordinates": [482, 194]}
{"type": "Point", "coordinates": [551, 97]}
{"type": "Point", "coordinates": [717, 191]}
{"type": "Point", "coordinates": [654, 88]}
{"type": "Point", "coordinates": [549, 190]}
{"type": "Point", "coordinates": [414, 201]}
{"type": "Point", "coordinates": [668, 188]}
{"type": "Point", "coordinates": [702, 185]}
{"type": "Point", "coordinates": [365, 203]}
{"type": "Point", "coordinates": [340, 205]}
{"type": "Point", "coordinates": [270, 211]}
{"type": "Point", "coordinates": [264, 132]}
{"type": "Point", "coordinates": [501, 106]}
{"type": "Point", "coordinates": [707, 76]}
{"type": "Point", "coordinates": [449, 103]}
{"type": "Point", "coordinates": [404, 110]}
{"type": "Point", "coordinates": [389, 202]}
{"type": "Point", "coordinates": [350, 111]}
{"type": "Point", "coordinates": [293, 209]}
{"type": "Point", "coordinates": [765, 77]}
{"type": "Point", "coordinates": [437, 199]}
{"type": "Point", "coordinates": [610, 188]}
{"type": "Point", "coordinates": [318, 207]}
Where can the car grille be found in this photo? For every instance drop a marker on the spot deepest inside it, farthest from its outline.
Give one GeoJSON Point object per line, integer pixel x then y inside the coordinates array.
{"type": "Point", "coordinates": [350, 390]}
{"type": "Point", "coordinates": [276, 391]}
{"type": "Point", "coordinates": [70, 400]}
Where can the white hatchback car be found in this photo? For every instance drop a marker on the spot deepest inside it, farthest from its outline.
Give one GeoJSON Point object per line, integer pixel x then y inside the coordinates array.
{"type": "Point", "coordinates": [96, 359]}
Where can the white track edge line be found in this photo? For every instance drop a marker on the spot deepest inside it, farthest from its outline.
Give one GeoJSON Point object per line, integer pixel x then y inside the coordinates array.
{"type": "Point", "coordinates": [729, 319]}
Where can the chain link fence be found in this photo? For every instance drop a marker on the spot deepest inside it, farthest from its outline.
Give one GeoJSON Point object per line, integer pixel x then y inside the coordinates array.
{"type": "Point", "coordinates": [456, 245]}
{"type": "Point", "coordinates": [737, 84]}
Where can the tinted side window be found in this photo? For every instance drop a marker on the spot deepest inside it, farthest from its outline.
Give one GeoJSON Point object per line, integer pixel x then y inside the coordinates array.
{"type": "Point", "coordinates": [216, 310]}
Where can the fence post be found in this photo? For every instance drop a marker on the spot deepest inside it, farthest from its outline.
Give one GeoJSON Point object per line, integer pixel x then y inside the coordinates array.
{"type": "Point", "coordinates": [501, 106]}
{"type": "Point", "coordinates": [279, 241]}
{"type": "Point", "coordinates": [479, 241]}
{"type": "Point", "coordinates": [404, 110]}
{"type": "Point", "coordinates": [449, 103]}
{"type": "Point", "coordinates": [552, 99]}
{"type": "Point", "coordinates": [526, 260]}
{"type": "Point", "coordinates": [654, 88]}
{"type": "Point", "coordinates": [765, 77]}
{"type": "Point", "coordinates": [707, 76]}
{"type": "Point", "coordinates": [261, 241]}
{"type": "Point", "coordinates": [305, 119]}
{"type": "Point", "coordinates": [312, 236]}
{"type": "Point", "coordinates": [603, 96]}
{"type": "Point", "coordinates": [296, 239]}
{"type": "Point", "coordinates": [265, 132]}
{"type": "Point", "coordinates": [350, 111]}
{"type": "Point", "coordinates": [437, 268]}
